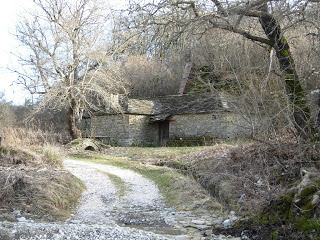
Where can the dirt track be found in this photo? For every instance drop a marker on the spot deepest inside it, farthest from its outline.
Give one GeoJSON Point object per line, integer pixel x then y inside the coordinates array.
{"type": "Point", "coordinates": [138, 213]}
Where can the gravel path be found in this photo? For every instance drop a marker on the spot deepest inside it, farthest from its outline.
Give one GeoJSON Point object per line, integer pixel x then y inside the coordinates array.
{"type": "Point", "coordinates": [142, 206]}
{"type": "Point", "coordinates": [97, 201]}
{"type": "Point", "coordinates": [139, 214]}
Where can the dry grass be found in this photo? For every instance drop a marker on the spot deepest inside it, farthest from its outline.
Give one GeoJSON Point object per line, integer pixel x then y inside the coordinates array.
{"type": "Point", "coordinates": [52, 155]}
{"type": "Point", "coordinates": [56, 194]}
{"type": "Point", "coordinates": [42, 193]}
{"type": "Point", "coordinates": [249, 176]}
{"type": "Point", "coordinates": [25, 137]}
{"type": "Point", "coordinates": [32, 177]}
{"type": "Point", "coordinates": [11, 156]}
{"type": "Point", "coordinates": [31, 147]}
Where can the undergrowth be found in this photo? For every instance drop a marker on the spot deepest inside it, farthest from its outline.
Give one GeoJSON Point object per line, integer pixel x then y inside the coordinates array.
{"type": "Point", "coordinates": [32, 177]}
{"type": "Point", "coordinates": [275, 185]}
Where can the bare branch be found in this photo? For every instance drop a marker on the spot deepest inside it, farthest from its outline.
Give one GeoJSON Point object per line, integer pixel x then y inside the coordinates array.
{"type": "Point", "coordinates": [65, 62]}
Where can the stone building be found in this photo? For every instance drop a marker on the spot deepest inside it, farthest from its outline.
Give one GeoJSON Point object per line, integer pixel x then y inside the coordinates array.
{"type": "Point", "coordinates": [157, 121]}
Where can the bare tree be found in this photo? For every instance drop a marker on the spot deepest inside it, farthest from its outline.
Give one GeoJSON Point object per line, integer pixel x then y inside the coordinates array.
{"type": "Point", "coordinates": [65, 59]}
{"type": "Point", "coordinates": [167, 21]}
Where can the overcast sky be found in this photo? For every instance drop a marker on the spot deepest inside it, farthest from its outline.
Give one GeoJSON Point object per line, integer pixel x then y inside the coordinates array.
{"type": "Point", "coordinates": [9, 15]}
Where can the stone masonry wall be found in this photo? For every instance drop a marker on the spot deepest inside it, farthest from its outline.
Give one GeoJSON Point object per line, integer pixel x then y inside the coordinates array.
{"type": "Point", "coordinates": [114, 128]}
{"type": "Point", "coordinates": [220, 125]}
{"type": "Point", "coordinates": [142, 131]}
{"type": "Point", "coordinates": [125, 130]}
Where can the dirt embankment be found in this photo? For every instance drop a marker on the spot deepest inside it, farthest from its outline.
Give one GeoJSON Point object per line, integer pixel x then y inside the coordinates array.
{"type": "Point", "coordinates": [34, 185]}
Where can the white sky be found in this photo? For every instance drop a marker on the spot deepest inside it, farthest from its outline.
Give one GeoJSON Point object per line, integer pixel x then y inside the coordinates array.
{"type": "Point", "coordinates": [9, 14]}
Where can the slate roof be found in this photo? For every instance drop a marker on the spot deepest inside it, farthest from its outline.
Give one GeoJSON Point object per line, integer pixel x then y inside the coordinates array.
{"type": "Point", "coordinates": [185, 104]}
{"type": "Point", "coordinates": [161, 108]}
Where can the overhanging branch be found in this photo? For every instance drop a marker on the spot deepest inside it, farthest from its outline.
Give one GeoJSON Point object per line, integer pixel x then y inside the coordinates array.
{"type": "Point", "coordinates": [244, 33]}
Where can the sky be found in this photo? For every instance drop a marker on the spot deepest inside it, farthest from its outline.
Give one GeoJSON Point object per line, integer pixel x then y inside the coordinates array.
{"type": "Point", "coordinates": [9, 13]}
{"type": "Point", "coordinates": [9, 16]}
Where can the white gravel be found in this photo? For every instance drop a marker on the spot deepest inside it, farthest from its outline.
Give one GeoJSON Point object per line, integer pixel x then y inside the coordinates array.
{"type": "Point", "coordinates": [50, 231]}
{"type": "Point", "coordinates": [143, 192]}
{"type": "Point", "coordinates": [98, 199]}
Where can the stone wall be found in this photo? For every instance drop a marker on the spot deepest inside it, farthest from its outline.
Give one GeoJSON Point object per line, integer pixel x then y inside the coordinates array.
{"type": "Point", "coordinates": [219, 125]}
{"type": "Point", "coordinates": [130, 129]}
{"type": "Point", "coordinates": [112, 128]}
{"type": "Point", "coordinates": [125, 130]}
{"type": "Point", "coordinates": [142, 131]}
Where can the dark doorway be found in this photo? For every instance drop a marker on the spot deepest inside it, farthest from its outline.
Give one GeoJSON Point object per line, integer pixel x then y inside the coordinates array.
{"type": "Point", "coordinates": [163, 132]}
{"type": "Point", "coordinates": [89, 148]}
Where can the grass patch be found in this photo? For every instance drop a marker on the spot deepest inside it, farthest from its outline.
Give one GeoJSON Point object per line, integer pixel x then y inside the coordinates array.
{"type": "Point", "coordinates": [121, 186]}
{"type": "Point", "coordinates": [146, 154]}
{"type": "Point", "coordinates": [32, 178]}
{"type": "Point", "coordinates": [98, 158]}
{"type": "Point", "coordinates": [308, 225]}
{"type": "Point", "coordinates": [12, 156]}
{"type": "Point", "coordinates": [48, 194]}
{"type": "Point", "coordinates": [169, 183]}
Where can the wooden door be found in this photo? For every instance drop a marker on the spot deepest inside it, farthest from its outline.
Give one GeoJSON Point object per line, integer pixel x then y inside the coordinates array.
{"type": "Point", "coordinates": [163, 133]}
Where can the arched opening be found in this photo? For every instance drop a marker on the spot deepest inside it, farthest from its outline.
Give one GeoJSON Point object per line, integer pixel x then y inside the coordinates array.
{"type": "Point", "coordinates": [90, 148]}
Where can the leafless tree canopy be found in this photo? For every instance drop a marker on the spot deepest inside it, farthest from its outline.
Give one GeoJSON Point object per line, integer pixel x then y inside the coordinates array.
{"type": "Point", "coordinates": [166, 26]}
{"type": "Point", "coordinates": [67, 60]}
{"type": "Point", "coordinates": [263, 50]}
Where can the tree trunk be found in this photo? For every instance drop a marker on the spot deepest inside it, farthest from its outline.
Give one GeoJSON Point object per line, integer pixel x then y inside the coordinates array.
{"type": "Point", "coordinates": [294, 89]}
{"type": "Point", "coordinates": [186, 73]}
{"type": "Point", "coordinates": [72, 122]}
